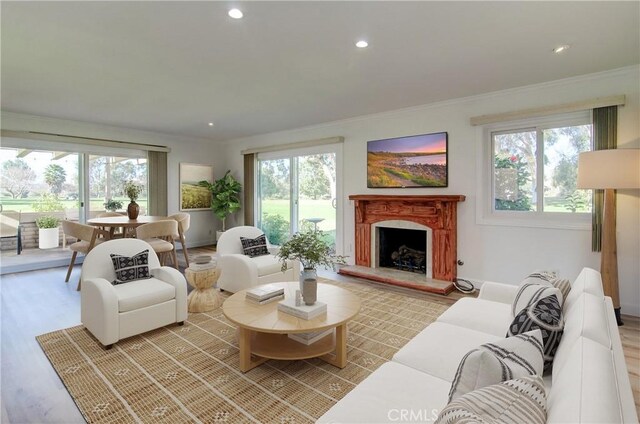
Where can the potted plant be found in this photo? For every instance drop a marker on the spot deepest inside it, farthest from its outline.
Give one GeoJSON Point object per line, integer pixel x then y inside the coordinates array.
{"type": "Point", "coordinates": [112, 205]}
{"type": "Point", "coordinates": [48, 236]}
{"type": "Point", "coordinates": [132, 190]}
{"type": "Point", "coordinates": [311, 249]}
{"type": "Point", "coordinates": [49, 205]}
{"type": "Point", "coordinates": [225, 197]}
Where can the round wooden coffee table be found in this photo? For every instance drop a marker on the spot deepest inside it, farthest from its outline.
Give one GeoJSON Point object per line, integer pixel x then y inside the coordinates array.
{"type": "Point", "coordinates": [263, 329]}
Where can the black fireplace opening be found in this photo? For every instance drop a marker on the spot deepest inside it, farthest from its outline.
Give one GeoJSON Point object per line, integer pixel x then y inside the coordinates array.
{"type": "Point", "coordinates": [403, 249]}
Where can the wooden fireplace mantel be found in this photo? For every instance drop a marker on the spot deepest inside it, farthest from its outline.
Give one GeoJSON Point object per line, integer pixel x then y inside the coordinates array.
{"type": "Point", "coordinates": [438, 212]}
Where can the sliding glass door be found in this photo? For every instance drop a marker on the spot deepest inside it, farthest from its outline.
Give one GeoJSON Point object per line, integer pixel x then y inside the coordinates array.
{"type": "Point", "coordinates": [107, 175]}
{"type": "Point", "coordinates": [297, 191]}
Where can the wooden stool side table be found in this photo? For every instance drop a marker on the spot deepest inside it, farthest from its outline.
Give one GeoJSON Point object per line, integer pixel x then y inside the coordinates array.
{"type": "Point", "coordinates": [204, 297]}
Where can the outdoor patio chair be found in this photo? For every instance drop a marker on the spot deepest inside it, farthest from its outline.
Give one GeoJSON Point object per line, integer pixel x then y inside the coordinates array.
{"type": "Point", "coordinates": [10, 227]}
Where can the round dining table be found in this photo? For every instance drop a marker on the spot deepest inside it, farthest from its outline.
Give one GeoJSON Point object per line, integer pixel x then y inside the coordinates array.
{"type": "Point", "coordinates": [128, 225]}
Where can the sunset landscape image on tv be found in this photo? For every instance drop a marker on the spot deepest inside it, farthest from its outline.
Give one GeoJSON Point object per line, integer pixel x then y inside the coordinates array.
{"type": "Point", "coordinates": [414, 161]}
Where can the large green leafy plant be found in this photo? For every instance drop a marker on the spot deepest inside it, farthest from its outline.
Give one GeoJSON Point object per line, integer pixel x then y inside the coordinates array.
{"type": "Point", "coordinates": [225, 196]}
{"type": "Point", "coordinates": [311, 249]}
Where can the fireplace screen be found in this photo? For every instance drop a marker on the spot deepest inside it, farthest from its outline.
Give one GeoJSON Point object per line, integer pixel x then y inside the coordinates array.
{"type": "Point", "coordinates": [403, 249]}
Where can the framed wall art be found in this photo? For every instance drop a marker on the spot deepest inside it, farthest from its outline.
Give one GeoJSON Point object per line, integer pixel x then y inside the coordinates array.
{"type": "Point", "coordinates": [413, 161]}
{"type": "Point", "coordinates": [192, 196]}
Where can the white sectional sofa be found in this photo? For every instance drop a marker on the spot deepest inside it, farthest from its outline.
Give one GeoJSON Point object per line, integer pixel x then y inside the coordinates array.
{"type": "Point", "coordinates": [588, 383]}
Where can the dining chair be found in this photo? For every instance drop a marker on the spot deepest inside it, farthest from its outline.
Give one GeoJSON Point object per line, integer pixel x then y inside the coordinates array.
{"type": "Point", "coordinates": [87, 238]}
{"type": "Point", "coordinates": [113, 231]}
{"type": "Point", "coordinates": [184, 222]}
{"type": "Point", "coordinates": [160, 235]}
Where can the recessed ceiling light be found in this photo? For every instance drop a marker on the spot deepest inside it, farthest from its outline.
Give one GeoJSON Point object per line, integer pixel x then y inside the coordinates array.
{"type": "Point", "coordinates": [561, 48]}
{"type": "Point", "coordinates": [236, 13]}
{"type": "Point", "coordinates": [211, 124]}
{"type": "Point", "coordinates": [362, 44]}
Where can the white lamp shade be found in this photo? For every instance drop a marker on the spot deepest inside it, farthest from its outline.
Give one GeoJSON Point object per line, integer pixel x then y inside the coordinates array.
{"type": "Point", "coordinates": [613, 168]}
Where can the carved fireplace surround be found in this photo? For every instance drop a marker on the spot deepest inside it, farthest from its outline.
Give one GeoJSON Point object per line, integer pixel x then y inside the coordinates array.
{"type": "Point", "coordinates": [436, 212]}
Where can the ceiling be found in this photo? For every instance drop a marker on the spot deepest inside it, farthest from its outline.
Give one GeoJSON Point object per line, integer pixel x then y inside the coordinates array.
{"type": "Point", "coordinates": [173, 67]}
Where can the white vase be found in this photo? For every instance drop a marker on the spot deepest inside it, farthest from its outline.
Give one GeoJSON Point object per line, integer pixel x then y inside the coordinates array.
{"type": "Point", "coordinates": [48, 238]}
{"type": "Point", "coordinates": [218, 235]}
{"type": "Point", "coordinates": [307, 273]}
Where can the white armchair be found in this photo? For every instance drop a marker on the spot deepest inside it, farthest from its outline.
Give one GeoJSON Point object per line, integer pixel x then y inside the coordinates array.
{"type": "Point", "coordinates": [239, 272]}
{"type": "Point", "coordinates": [114, 312]}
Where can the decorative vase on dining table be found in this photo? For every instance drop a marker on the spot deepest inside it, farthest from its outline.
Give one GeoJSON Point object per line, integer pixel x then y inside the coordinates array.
{"type": "Point", "coordinates": [133, 210]}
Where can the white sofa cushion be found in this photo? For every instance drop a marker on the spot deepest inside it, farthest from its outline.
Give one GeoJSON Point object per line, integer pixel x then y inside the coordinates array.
{"type": "Point", "coordinates": [142, 293]}
{"type": "Point", "coordinates": [516, 401]}
{"type": "Point", "coordinates": [267, 264]}
{"type": "Point", "coordinates": [588, 281]}
{"type": "Point", "coordinates": [493, 363]}
{"type": "Point", "coordinates": [585, 388]}
{"type": "Point", "coordinates": [587, 318]}
{"type": "Point", "coordinates": [438, 349]}
{"type": "Point", "coordinates": [393, 393]}
{"type": "Point", "coordinates": [480, 315]}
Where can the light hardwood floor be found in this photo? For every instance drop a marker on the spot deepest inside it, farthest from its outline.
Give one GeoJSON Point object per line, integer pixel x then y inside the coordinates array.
{"type": "Point", "coordinates": [38, 302]}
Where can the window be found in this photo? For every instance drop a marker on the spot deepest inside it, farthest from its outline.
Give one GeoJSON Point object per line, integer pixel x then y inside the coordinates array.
{"type": "Point", "coordinates": [533, 171]}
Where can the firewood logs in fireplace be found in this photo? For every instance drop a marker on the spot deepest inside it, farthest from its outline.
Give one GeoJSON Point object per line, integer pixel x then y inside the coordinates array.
{"type": "Point", "coordinates": [408, 258]}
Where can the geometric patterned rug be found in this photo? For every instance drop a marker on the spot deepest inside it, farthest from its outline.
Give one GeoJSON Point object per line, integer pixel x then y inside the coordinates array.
{"type": "Point", "coordinates": [190, 373]}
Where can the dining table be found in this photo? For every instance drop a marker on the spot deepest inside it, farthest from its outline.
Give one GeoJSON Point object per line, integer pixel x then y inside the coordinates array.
{"type": "Point", "coordinates": [128, 225]}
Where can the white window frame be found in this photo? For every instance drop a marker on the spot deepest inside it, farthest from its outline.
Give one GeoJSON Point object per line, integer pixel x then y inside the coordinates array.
{"type": "Point", "coordinates": [485, 205]}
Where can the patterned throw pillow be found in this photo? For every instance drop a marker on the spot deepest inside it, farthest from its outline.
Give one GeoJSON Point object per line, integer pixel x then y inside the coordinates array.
{"type": "Point", "coordinates": [561, 284]}
{"type": "Point", "coordinates": [492, 363]}
{"type": "Point", "coordinates": [517, 401]}
{"type": "Point", "coordinates": [254, 247]}
{"type": "Point", "coordinates": [530, 291]}
{"type": "Point", "coordinates": [131, 268]}
{"type": "Point", "coordinates": [546, 315]}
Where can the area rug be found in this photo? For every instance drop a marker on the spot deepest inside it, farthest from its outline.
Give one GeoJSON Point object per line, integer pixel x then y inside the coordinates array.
{"type": "Point", "coordinates": [190, 373]}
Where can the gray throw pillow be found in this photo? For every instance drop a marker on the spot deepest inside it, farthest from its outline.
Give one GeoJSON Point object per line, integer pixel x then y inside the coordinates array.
{"type": "Point", "coordinates": [503, 360]}
{"type": "Point", "coordinates": [517, 401]}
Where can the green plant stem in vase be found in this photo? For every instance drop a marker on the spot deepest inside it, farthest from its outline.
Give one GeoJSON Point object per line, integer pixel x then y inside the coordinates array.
{"type": "Point", "coordinates": [312, 250]}
{"type": "Point", "coordinates": [132, 190]}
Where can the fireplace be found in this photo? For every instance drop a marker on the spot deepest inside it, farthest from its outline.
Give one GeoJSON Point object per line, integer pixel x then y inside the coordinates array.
{"type": "Point", "coordinates": [436, 215]}
{"type": "Point", "coordinates": [402, 245]}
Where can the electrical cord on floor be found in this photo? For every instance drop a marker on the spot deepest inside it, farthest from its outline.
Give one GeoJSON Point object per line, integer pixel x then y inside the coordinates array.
{"type": "Point", "coordinates": [464, 286]}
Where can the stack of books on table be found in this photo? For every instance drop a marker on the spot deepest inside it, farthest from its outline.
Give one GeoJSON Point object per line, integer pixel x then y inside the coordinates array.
{"type": "Point", "coordinates": [310, 338]}
{"type": "Point", "coordinates": [265, 294]}
{"type": "Point", "coordinates": [288, 306]}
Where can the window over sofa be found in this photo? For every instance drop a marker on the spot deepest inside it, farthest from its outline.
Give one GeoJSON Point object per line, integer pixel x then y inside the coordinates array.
{"type": "Point", "coordinates": [529, 172]}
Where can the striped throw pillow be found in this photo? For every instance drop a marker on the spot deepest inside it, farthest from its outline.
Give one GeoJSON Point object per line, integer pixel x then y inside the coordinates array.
{"type": "Point", "coordinates": [517, 401]}
{"type": "Point", "coordinates": [492, 363]}
{"type": "Point", "coordinates": [530, 291]}
{"type": "Point", "coordinates": [130, 268]}
{"type": "Point", "coordinates": [561, 284]}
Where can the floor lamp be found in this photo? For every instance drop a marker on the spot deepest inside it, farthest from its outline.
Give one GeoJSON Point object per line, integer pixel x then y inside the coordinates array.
{"type": "Point", "coordinates": [609, 170]}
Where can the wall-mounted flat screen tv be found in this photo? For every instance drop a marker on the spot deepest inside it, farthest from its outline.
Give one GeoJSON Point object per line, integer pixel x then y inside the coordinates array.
{"type": "Point", "coordinates": [413, 161]}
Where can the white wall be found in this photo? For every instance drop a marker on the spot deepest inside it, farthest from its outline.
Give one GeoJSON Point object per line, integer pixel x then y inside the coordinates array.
{"type": "Point", "coordinates": [183, 149]}
{"type": "Point", "coordinates": [490, 252]}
